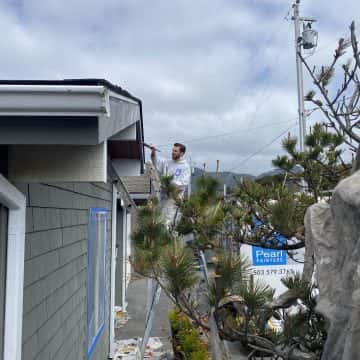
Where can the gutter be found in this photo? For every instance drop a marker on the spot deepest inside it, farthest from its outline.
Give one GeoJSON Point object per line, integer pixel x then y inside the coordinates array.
{"type": "Point", "coordinates": [62, 100]}
{"type": "Point", "coordinates": [51, 89]}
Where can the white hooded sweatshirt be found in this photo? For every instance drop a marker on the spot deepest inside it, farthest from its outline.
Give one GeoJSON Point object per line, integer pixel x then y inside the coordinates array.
{"type": "Point", "coordinates": [180, 170]}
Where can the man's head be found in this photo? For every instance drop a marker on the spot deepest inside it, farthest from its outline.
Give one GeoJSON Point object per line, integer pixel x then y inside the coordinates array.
{"type": "Point", "coordinates": [178, 151]}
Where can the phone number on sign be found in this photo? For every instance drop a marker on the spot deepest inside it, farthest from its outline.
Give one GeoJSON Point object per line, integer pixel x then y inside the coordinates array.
{"type": "Point", "coordinates": [273, 272]}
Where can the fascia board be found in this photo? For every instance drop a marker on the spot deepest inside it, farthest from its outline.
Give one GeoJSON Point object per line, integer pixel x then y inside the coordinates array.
{"type": "Point", "coordinates": [122, 115]}
{"type": "Point", "coordinates": [124, 98]}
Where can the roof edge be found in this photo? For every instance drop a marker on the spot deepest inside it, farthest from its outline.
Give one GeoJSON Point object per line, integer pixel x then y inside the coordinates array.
{"type": "Point", "coordinates": [80, 82]}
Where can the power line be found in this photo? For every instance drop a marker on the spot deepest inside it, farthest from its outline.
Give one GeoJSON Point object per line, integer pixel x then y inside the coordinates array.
{"type": "Point", "coordinates": [266, 98]}
{"type": "Point", "coordinates": [262, 148]}
{"type": "Point", "coordinates": [226, 133]}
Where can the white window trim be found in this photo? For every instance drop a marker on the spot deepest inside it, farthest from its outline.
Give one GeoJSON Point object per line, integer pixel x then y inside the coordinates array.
{"type": "Point", "coordinates": [101, 300]}
{"type": "Point", "coordinates": [15, 201]}
{"type": "Point", "coordinates": [123, 263]}
{"type": "Point", "coordinates": [128, 250]}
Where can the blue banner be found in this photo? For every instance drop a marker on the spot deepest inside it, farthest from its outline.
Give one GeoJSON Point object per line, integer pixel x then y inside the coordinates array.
{"type": "Point", "coordinates": [263, 257]}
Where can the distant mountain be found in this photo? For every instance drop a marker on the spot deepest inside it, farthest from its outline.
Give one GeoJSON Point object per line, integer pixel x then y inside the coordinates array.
{"type": "Point", "coordinates": [270, 173]}
{"type": "Point", "coordinates": [296, 169]}
{"type": "Point", "coordinates": [226, 177]}
{"type": "Point", "coordinates": [230, 178]}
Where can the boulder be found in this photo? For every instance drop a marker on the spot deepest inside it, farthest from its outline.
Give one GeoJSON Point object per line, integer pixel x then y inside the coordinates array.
{"type": "Point", "coordinates": [333, 259]}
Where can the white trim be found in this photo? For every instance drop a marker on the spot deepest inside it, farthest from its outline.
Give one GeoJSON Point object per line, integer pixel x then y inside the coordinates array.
{"type": "Point", "coordinates": [105, 157]}
{"type": "Point", "coordinates": [52, 100]}
{"type": "Point", "coordinates": [106, 102]}
{"type": "Point", "coordinates": [94, 89]}
{"type": "Point", "coordinates": [15, 201]}
{"type": "Point", "coordinates": [120, 97]}
{"type": "Point", "coordinates": [81, 112]}
{"type": "Point", "coordinates": [128, 249]}
{"type": "Point", "coordinates": [123, 262]}
{"type": "Point", "coordinates": [76, 89]}
{"type": "Point", "coordinates": [112, 347]}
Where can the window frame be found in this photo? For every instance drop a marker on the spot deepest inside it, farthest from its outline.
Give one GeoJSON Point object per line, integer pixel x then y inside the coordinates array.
{"type": "Point", "coordinates": [92, 342]}
{"type": "Point", "coordinates": [15, 201]}
{"type": "Point", "coordinates": [4, 215]}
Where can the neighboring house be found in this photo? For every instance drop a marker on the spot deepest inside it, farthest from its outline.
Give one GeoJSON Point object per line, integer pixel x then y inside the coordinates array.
{"type": "Point", "coordinates": [140, 188]}
{"type": "Point", "coordinates": [65, 215]}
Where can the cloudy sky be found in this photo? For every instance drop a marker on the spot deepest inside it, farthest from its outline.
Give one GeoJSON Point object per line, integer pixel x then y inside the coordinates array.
{"type": "Point", "coordinates": [218, 75]}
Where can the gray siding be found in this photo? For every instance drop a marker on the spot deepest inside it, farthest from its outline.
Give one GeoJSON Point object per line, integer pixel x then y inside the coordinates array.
{"type": "Point", "coordinates": [55, 283]}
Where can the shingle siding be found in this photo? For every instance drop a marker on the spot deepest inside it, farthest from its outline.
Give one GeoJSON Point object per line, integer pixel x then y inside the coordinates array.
{"type": "Point", "coordinates": [55, 282]}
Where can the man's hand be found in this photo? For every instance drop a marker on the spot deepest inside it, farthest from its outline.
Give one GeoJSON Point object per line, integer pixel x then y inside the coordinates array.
{"type": "Point", "coordinates": [152, 147]}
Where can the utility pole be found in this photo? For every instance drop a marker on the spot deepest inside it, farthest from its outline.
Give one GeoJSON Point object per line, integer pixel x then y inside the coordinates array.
{"type": "Point", "coordinates": [307, 41]}
{"type": "Point", "coordinates": [299, 73]}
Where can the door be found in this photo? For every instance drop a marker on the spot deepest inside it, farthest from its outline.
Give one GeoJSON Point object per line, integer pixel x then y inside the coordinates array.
{"type": "Point", "coordinates": [3, 256]}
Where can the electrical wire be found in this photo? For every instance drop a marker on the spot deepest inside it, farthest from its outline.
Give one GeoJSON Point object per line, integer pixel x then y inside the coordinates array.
{"type": "Point", "coordinates": [262, 148]}
{"type": "Point", "coordinates": [230, 133]}
{"type": "Point", "coordinates": [257, 108]}
{"type": "Point", "coordinates": [249, 128]}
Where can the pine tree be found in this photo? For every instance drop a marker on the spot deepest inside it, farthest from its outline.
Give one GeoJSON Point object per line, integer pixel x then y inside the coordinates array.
{"type": "Point", "coordinates": [269, 214]}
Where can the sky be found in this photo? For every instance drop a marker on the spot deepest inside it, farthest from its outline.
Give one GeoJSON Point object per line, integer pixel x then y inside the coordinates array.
{"type": "Point", "coordinates": [217, 75]}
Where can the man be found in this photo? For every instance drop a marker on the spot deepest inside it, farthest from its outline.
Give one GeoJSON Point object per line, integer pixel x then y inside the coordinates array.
{"type": "Point", "coordinates": [177, 167]}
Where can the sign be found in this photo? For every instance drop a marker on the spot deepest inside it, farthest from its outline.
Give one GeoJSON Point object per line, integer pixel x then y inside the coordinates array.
{"type": "Point", "coordinates": [270, 266]}
{"type": "Point", "coordinates": [266, 257]}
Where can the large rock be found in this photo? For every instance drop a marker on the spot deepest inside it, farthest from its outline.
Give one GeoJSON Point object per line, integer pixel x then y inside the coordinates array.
{"type": "Point", "coordinates": [333, 251]}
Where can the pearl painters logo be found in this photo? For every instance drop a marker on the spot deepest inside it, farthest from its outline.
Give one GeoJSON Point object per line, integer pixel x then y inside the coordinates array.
{"type": "Point", "coordinates": [177, 172]}
{"type": "Point", "coordinates": [263, 257]}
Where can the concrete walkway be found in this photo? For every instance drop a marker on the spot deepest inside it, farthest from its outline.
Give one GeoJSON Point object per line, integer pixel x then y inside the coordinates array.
{"type": "Point", "coordinates": [138, 303]}
{"type": "Point", "coordinates": [137, 298]}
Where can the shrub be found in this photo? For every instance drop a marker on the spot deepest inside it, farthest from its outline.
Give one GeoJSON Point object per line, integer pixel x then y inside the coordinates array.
{"type": "Point", "coordinates": [185, 337]}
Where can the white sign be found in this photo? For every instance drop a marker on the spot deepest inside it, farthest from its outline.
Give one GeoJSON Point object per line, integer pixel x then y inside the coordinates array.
{"type": "Point", "coordinates": [270, 266]}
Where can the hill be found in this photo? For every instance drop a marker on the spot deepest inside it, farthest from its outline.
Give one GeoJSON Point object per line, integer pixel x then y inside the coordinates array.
{"type": "Point", "coordinates": [226, 177]}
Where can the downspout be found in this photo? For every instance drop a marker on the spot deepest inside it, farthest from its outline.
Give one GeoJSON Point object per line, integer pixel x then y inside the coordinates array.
{"type": "Point", "coordinates": [140, 138]}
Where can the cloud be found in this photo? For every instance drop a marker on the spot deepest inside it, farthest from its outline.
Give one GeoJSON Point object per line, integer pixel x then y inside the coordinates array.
{"type": "Point", "coordinates": [201, 68]}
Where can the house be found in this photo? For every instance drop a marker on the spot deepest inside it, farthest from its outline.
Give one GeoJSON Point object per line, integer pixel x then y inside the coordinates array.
{"type": "Point", "coordinates": [141, 188]}
{"type": "Point", "coordinates": [65, 215]}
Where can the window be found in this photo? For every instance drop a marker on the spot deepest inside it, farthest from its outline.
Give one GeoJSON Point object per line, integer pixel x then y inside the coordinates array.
{"type": "Point", "coordinates": [96, 298]}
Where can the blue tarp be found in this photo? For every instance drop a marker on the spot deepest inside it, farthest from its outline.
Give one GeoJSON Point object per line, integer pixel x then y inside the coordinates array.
{"type": "Point", "coordinates": [264, 257]}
